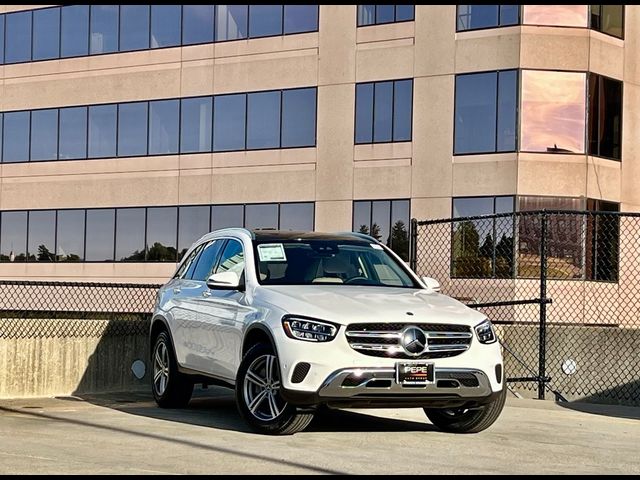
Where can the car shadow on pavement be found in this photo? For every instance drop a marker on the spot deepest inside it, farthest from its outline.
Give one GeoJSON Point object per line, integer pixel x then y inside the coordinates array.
{"type": "Point", "coordinates": [215, 407]}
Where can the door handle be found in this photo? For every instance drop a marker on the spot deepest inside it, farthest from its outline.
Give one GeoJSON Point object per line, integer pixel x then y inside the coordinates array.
{"type": "Point", "coordinates": [176, 290]}
{"type": "Point", "coordinates": [206, 294]}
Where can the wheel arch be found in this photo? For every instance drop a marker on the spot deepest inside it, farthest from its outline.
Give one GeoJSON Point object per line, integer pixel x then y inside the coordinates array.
{"type": "Point", "coordinates": [257, 333]}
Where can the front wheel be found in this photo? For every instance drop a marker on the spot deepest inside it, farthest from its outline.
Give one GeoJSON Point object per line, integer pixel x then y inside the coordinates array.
{"type": "Point", "coordinates": [258, 395]}
{"type": "Point", "coordinates": [171, 389]}
{"type": "Point", "coordinates": [470, 420]}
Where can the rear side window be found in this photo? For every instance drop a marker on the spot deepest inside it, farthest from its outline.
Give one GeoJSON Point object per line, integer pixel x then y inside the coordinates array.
{"type": "Point", "coordinates": [189, 262]}
{"type": "Point", "coordinates": [206, 261]}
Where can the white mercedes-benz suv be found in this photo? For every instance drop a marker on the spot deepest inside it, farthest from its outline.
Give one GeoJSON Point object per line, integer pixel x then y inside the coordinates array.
{"type": "Point", "coordinates": [296, 320]}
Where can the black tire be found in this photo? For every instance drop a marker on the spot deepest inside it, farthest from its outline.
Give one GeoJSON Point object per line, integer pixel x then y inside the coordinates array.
{"type": "Point", "coordinates": [178, 387]}
{"type": "Point", "coordinates": [288, 421]}
{"type": "Point", "coordinates": [475, 420]}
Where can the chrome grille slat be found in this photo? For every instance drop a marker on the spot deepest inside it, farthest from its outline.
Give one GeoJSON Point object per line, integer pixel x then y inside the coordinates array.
{"type": "Point", "coordinates": [385, 340]}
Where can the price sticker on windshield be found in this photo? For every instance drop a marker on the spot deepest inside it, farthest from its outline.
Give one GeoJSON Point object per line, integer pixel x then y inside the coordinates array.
{"type": "Point", "coordinates": [271, 252]}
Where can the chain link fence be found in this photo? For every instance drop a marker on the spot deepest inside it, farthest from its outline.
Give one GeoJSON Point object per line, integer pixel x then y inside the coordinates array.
{"type": "Point", "coordinates": [72, 309]}
{"type": "Point", "coordinates": [561, 287]}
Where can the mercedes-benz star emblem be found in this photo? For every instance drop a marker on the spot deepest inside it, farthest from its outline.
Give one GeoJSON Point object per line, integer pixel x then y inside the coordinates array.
{"type": "Point", "coordinates": [414, 341]}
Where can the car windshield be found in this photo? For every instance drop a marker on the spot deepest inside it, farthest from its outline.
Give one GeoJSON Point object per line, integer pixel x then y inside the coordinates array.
{"type": "Point", "coordinates": [322, 262]}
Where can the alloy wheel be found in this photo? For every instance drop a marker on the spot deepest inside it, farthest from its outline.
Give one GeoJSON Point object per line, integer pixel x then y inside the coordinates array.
{"type": "Point", "coordinates": [261, 389]}
{"type": "Point", "coordinates": [161, 368]}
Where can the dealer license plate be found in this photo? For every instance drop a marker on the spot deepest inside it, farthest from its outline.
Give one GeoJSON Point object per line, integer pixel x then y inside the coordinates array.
{"type": "Point", "coordinates": [414, 373]}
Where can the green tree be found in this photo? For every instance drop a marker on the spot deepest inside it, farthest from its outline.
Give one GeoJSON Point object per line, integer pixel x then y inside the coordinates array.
{"type": "Point", "coordinates": [400, 239]}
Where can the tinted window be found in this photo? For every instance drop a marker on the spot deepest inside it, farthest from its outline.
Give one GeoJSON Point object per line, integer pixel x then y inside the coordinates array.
{"type": "Point", "coordinates": [74, 35]}
{"type": "Point", "coordinates": [381, 220]}
{"type": "Point", "coordinates": [232, 258]}
{"type": "Point", "coordinates": [386, 221]}
{"type": "Point", "coordinates": [362, 217]}
{"type": "Point", "coordinates": [13, 237]}
{"type": "Point", "coordinates": [42, 236]}
{"type": "Point", "coordinates": [608, 19]}
{"type": "Point", "coordinates": [402, 110]}
{"type": "Point", "coordinates": [507, 111]}
{"type": "Point", "coordinates": [300, 18]}
{"type": "Point", "coordinates": [555, 15]}
{"type": "Point", "coordinates": [46, 33]}
{"type": "Point", "coordinates": [206, 261]}
{"type": "Point", "coordinates": [399, 237]}
{"type": "Point", "coordinates": [134, 27]}
{"type": "Point", "coordinates": [229, 122]}
{"type": "Point", "coordinates": [605, 117]}
{"type": "Point", "coordinates": [195, 125]}
{"type": "Point", "coordinates": [404, 12]}
{"type": "Point", "coordinates": [130, 234]}
{"type": "Point", "coordinates": [163, 126]}
{"type": "Point", "coordinates": [197, 24]}
{"type": "Point", "coordinates": [509, 14]}
{"type": "Point", "coordinates": [17, 37]}
{"type": "Point", "coordinates": [385, 13]}
{"type": "Point", "coordinates": [382, 111]}
{"type": "Point", "coordinates": [188, 263]}
{"type": "Point", "coordinates": [553, 120]}
{"type": "Point", "coordinates": [265, 20]}
{"type": "Point", "coordinates": [132, 129]}
{"type": "Point", "coordinates": [223, 216]}
{"type": "Point", "coordinates": [475, 113]}
{"type": "Point", "coordinates": [299, 117]}
{"type": "Point", "coordinates": [162, 223]}
{"type": "Point", "coordinates": [193, 223]}
{"type": "Point", "coordinates": [165, 25]}
{"type": "Point", "coordinates": [261, 216]}
{"type": "Point", "coordinates": [102, 131]}
{"type": "Point", "coordinates": [231, 22]}
{"type": "Point", "coordinates": [296, 216]}
{"type": "Point", "coordinates": [364, 113]}
{"type": "Point", "coordinates": [104, 29]}
{"type": "Point", "coordinates": [263, 120]}
{"type": "Point", "coordinates": [379, 14]}
{"type": "Point", "coordinates": [100, 235]}
{"type": "Point", "coordinates": [70, 241]}
{"type": "Point", "coordinates": [15, 141]}
{"type": "Point", "coordinates": [471, 17]}
{"type": "Point", "coordinates": [2, 38]}
{"type": "Point", "coordinates": [73, 133]}
{"type": "Point", "coordinates": [366, 15]}
{"type": "Point", "coordinates": [44, 134]}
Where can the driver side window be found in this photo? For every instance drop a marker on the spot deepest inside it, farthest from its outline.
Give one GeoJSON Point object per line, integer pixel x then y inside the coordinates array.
{"type": "Point", "coordinates": [232, 259]}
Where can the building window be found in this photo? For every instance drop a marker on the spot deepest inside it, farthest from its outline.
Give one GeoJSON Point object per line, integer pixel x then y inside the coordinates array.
{"type": "Point", "coordinates": [605, 117]}
{"type": "Point", "coordinates": [476, 17]}
{"type": "Point", "coordinates": [77, 30]}
{"type": "Point", "coordinates": [164, 122]}
{"type": "Point", "coordinates": [136, 234]}
{"type": "Point", "coordinates": [608, 19]}
{"type": "Point", "coordinates": [553, 111]}
{"type": "Point", "coordinates": [486, 112]}
{"type": "Point", "coordinates": [384, 111]}
{"type": "Point", "coordinates": [556, 15]}
{"type": "Point", "coordinates": [15, 139]}
{"type": "Point", "coordinates": [73, 133]}
{"type": "Point", "coordinates": [102, 131]}
{"type": "Point", "coordinates": [380, 14]}
{"type": "Point", "coordinates": [263, 120]}
{"type": "Point", "coordinates": [132, 129]}
{"type": "Point", "coordinates": [44, 134]}
{"type": "Point", "coordinates": [602, 241]}
{"type": "Point", "coordinates": [196, 124]}
{"type": "Point", "coordinates": [386, 221]}
{"type": "Point", "coordinates": [482, 248]}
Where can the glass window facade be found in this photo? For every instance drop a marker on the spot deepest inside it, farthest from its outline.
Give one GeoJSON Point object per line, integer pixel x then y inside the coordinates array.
{"type": "Point", "coordinates": [475, 17]}
{"type": "Point", "coordinates": [380, 14]}
{"type": "Point", "coordinates": [486, 106]}
{"type": "Point", "coordinates": [135, 234]}
{"type": "Point", "coordinates": [386, 220]}
{"type": "Point", "coordinates": [77, 30]}
{"type": "Point", "coordinates": [605, 117]}
{"type": "Point", "coordinates": [384, 111]}
{"type": "Point", "coordinates": [553, 111]}
{"type": "Point", "coordinates": [243, 121]}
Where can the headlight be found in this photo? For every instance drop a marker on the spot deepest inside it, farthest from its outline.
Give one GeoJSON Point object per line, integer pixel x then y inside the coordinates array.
{"type": "Point", "coordinates": [485, 332]}
{"type": "Point", "coordinates": [309, 330]}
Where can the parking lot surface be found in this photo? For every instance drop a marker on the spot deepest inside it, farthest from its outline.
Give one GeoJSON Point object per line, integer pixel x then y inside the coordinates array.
{"type": "Point", "coordinates": [126, 433]}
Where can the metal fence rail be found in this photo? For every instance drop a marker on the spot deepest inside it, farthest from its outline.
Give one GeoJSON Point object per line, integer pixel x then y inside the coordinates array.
{"type": "Point", "coordinates": [561, 286]}
{"type": "Point", "coordinates": [30, 309]}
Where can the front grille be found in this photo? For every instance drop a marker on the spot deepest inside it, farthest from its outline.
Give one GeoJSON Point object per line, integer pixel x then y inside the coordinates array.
{"type": "Point", "coordinates": [383, 339]}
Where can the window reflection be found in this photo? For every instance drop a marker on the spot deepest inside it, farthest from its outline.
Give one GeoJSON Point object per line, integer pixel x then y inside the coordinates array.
{"type": "Point", "coordinates": [386, 221]}
{"type": "Point", "coordinates": [13, 238]}
{"type": "Point", "coordinates": [556, 15]}
{"type": "Point", "coordinates": [70, 231]}
{"type": "Point", "coordinates": [553, 111]}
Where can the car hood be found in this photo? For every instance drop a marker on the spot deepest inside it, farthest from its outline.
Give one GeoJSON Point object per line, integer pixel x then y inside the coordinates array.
{"type": "Point", "coordinates": [346, 304]}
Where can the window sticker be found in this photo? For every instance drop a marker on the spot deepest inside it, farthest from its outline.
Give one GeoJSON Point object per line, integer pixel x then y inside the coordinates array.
{"type": "Point", "coordinates": [271, 252]}
{"type": "Point", "coordinates": [376, 246]}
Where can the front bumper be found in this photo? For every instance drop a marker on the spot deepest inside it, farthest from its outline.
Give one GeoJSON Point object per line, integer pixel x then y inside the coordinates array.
{"type": "Point", "coordinates": [376, 387]}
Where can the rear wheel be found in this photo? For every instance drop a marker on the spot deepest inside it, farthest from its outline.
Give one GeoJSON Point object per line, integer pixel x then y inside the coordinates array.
{"type": "Point", "coordinates": [171, 389]}
{"type": "Point", "coordinates": [467, 420]}
{"type": "Point", "coordinates": [258, 395]}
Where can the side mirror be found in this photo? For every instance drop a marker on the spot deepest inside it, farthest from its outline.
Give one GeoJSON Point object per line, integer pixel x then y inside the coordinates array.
{"type": "Point", "coordinates": [224, 281]}
{"type": "Point", "coordinates": [431, 283]}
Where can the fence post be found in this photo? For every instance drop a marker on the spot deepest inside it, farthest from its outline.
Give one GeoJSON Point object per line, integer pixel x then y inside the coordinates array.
{"type": "Point", "coordinates": [542, 347]}
{"type": "Point", "coordinates": [413, 262]}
